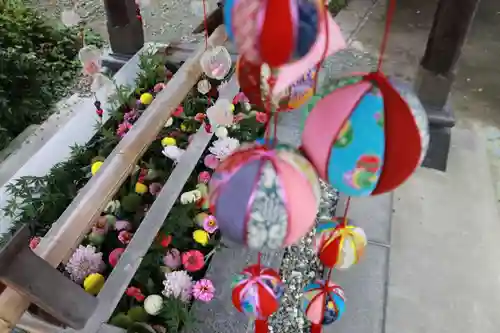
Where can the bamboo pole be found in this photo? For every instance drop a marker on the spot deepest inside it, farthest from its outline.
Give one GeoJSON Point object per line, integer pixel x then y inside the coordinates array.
{"type": "Point", "coordinates": [67, 231]}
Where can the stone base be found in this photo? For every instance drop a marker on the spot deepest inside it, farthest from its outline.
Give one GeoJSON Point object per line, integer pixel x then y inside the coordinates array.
{"type": "Point", "coordinates": [113, 62]}
{"type": "Point", "coordinates": [433, 91]}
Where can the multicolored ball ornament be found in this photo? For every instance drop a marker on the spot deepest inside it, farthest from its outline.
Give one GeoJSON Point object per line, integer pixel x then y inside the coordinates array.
{"type": "Point", "coordinates": [323, 303]}
{"type": "Point", "coordinates": [274, 32]}
{"type": "Point", "coordinates": [363, 137]}
{"type": "Point", "coordinates": [339, 244]}
{"type": "Point", "coordinates": [256, 292]}
{"type": "Point", "coordinates": [264, 197]}
{"type": "Point", "coordinates": [254, 82]}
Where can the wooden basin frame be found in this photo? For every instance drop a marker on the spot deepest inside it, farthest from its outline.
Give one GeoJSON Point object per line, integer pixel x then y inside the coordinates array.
{"type": "Point", "coordinates": [68, 231]}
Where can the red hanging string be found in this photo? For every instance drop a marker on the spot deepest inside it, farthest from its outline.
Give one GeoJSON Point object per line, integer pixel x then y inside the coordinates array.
{"type": "Point", "coordinates": [388, 21]}
{"type": "Point", "coordinates": [346, 210]}
{"type": "Point", "coordinates": [325, 49]}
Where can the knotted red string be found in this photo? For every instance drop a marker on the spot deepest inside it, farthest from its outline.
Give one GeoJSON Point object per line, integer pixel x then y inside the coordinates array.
{"type": "Point", "coordinates": [383, 45]}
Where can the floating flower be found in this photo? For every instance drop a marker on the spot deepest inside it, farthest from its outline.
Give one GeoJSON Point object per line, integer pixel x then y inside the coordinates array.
{"type": "Point", "coordinates": [201, 237]}
{"type": "Point", "coordinates": [155, 188]}
{"type": "Point", "coordinates": [239, 117]}
{"type": "Point", "coordinates": [164, 240]}
{"type": "Point", "coordinates": [34, 241]}
{"type": "Point", "coordinates": [193, 260]}
{"type": "Point", "coordinates": [204, 290]}
{"type": "Point", "coordinates": [173, 152]}
{"type": "Point", "coordinates": [159, 87]}
{"type": "Point", "coordinates": [178, 111]}
{"type": "Point", "coordinates": [123, 225]}
{"type": "Point", "coordinates": [168, 141]}
{"type": "Point", "coordinates": [240, 97]}
{"type": "Point", "coordinates": [221, 132]}
{"type": "Point", "coordinates": [178, 284]}
{"type": "Point", "coordinates": [261, 117]}
{"type": "Point", "coordinates": [140, 188]}
{"type": "Point", "coordinates": [169, 122]}
{"type": "Point", "coordinates": [84, 261]}
{"type": "Point", "coordinates": [131, 116]}
{"type": "Point", "coordinates": [153, 304]}
{"type": "Point", "coordinates": [135, 293]}
{"type": "Point", "coordinates": [95, 167]}
{"type": "Point", "coordinates": [123, 128]}
{"type": "Point", "coordinates": [125, 237]}
{"type": "Point", "coordinates": [210, 224]}
{"type": "Point", "coordinates": [211, 161]}
{"type": "Point", "coordinates": [114, 256]}
{"type": "Point", "coordinates": [93, 283]}
{"type": "Point", "coordinates": [172, 259]}
{"type": "Point", "coordinates": [204, 177]}
{"type": "Point", "coordinates": [223, 147]}
{"type": "Point", "coordinates": [200, 117]}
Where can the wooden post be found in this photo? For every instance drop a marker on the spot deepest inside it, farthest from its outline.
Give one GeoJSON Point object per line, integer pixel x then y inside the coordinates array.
{"type": "Point", "coordinates": [126, 35]}
{"type": "Point", "coordinates": [452, 22]}
{"type": "Point", "coordinates": [68, 230]}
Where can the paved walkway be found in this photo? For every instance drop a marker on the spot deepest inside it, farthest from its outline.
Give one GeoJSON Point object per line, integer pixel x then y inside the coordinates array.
{"type": "Point", "coordinates": [432, 262]}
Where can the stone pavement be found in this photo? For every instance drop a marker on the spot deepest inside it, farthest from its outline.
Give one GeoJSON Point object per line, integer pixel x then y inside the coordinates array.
{"type": "Point", "coordinates": [431, 264]}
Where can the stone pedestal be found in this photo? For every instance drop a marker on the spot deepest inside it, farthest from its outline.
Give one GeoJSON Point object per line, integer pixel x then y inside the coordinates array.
{"type": "Point", "coordinates": [451, 24]}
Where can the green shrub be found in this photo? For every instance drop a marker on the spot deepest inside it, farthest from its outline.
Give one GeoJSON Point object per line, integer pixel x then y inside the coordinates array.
{"type": "Point", "coordinates": [38, 64]}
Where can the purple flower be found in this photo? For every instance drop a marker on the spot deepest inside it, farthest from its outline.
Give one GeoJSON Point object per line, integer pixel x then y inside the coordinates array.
{"type": "Point", "coordinates": [204, 290]}
{"type": "Point", "coordinates": [131, 116]}
{"type": "Point", "coordinates": [210, 224]}
{"type": "Point", "coordinates": [172, 259]}
{"type": "Point", "coordinates": [155, 188]}
{"type": "Point", "coordinates": [84, 261]}
{"type": "Point", "coordinates": [123, 128]}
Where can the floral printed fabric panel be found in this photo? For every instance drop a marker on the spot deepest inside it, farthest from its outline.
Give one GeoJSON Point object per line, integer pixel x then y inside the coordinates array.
{"type": "Point", "coordinates": [268, 219]}
{"type": "Point", "coordinates": [357, 155]}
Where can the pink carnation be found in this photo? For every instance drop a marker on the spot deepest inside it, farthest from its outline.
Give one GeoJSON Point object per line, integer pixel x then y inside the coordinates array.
{"type": "Point", "coordinates": [211, 161]}
{"type": "Point", "coordinates": [34, 242]}
{"type": "Point", "coordinates": [204, 290]}
{"type": "Point", "coordinates": [261, 117]}
{"type": "Point", "coordinates": [204, 177]}
{"type": "Point", "coordinates": [178, 111]}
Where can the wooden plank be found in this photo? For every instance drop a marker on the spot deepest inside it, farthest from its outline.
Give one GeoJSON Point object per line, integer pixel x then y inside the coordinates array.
{"type": "Point", "coordinates": [74, 223]}
{"type": "Point", "coordinates": [120, 277]}
{"type": "Point", "coordinates": [180, 51]}
{"type": "Point", "coordinates": [48, 288]}
{"type": "Point", "coordinates": [33, 324]}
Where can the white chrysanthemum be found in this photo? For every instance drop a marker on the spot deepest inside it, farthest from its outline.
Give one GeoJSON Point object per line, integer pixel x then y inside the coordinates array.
{"type": "Point", "coordinates": [173, 152]}
{"type": "Point", "coordinates": [178, 284]}
{"type": "Point", "coordinates": [223, 147]}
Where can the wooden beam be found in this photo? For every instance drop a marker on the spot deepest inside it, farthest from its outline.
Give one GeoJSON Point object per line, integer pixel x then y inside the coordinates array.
{"type": "Point", "coordinates": [67, 232]}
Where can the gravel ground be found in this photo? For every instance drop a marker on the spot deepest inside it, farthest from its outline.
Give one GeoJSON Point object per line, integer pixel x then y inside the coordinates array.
{"type": "Point", "coordinates": [299, 267]}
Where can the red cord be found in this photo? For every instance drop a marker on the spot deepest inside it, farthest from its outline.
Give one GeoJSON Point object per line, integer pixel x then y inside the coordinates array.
{"type": "Point", "coordinates": [346, 210]}
{"type": "Point", "coordinates": [325, 50]}
{"type": "Point", "coordinates": [388, 21]}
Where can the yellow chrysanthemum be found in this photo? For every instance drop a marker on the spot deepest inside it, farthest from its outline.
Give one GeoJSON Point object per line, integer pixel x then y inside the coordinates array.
{"type": "Point", "coordinates": [201, 237]}
{"type": "Point", "coordinates": [168, 141]}
{"type": "Point", "coordinates": [146, 98]}
{"type": "Point", "coordinates": [95, 167]}
{"type": "Point", "coordinates": [140, 188]}
{"type": "Point", "coordinates": [93, 283]}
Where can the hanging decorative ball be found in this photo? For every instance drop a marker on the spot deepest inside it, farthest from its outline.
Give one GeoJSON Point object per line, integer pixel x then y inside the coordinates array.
{"type": "Point", "coordinates": [95, 167]}
{"type": "Point", "coordinates": [276, 32]}
{"type": "Point", "coordinates": [146, 98]}
{"type": "Point", "coordinates": [216, 62]}
{"type": "Point", "coordinates": [203, 87]}
{"type": "Point", "coordinates": [363, 137]}
{"type": "Point", "coordinates": [323, 303]}
{"type": "Point", "coordinates": [90, 58]}
{"type": "Point", "coordinates": [93, 283]}
{"type": "Point", "coordinates": [257, 292]}
{"type": "Point", "coordinates": [418, 112]}
{"type": "Point", "coordinates": [254, 82]}
{"type": "Point", "coordinates": [338, 243]}
{"type": "Point", "coordinates": [264, 197]}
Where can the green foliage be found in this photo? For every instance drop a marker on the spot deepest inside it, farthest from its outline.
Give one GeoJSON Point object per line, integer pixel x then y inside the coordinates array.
{"type": "Point", "coordinates": [137, 314]}
{"type": "Point", "coordinates": [37, 67]}
{"type": "Point", "coordinates": [335, 6]}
